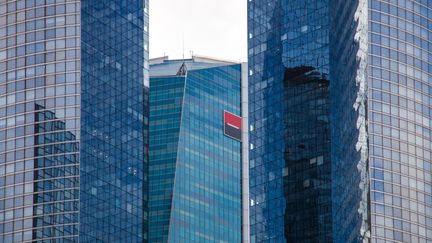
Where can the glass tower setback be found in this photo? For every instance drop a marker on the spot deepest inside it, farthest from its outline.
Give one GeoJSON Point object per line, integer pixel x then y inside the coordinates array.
{"type": "Point", "coordinates": [65, 88]}
{"type": "Point", "coordinates": [378, 68]}
{"type": "Point", "coordinates": [195, 170]}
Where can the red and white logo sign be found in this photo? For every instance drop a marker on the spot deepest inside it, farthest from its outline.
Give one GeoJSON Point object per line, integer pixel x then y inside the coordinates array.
{"type": "Point", "coordinates": [232, 125]}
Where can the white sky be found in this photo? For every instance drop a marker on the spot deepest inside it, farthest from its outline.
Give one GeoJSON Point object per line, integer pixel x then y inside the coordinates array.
{"type": "Point", "coordinates": [215, 28]}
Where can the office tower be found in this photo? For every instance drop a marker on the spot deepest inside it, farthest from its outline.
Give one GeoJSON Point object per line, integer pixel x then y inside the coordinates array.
{"type": "Point", "coordinates": [196, 157]}
{"type": "Point", "coordinates": [73, 77]}
{"type": "Point", "coordinates": [290, 161]}
{"type": "Point", "coordinates": [374, 56]}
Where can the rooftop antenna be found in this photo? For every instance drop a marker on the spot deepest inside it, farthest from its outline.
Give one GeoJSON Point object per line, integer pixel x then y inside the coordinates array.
{"type": "Point", "coordinates": [183, 69]}
{"type": "Point", "coordinates": [183, 47]}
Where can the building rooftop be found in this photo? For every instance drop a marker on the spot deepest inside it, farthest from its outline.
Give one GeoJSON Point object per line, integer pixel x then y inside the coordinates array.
{"type": "Point", "coordinates": [163, 66]}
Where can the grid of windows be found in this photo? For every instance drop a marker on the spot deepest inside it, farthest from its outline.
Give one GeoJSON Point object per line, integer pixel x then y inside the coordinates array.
{"type": "Point", "coordinates": [166, 102]}
{"type": "Point", "coordinates": [380, 64]}
{"type": "Point", "coordinates": [39, 119]}
{"type": "Point", "coordinates": [195, 170]}
{"type": "Point", "coordinates": [288, 61]}
{"type": "Point", "coordinates": [112, 164]}
{"type": "Point", "coordinates": [349, 149]}
{"type": "Point", "coordinates": [45, 52]}
{"type": "Point", "coordinates": [400, 112]}
{"type": "Point", "coordinates": [56, 184]}
{"type": "Point", "coordinates": [307, 173]}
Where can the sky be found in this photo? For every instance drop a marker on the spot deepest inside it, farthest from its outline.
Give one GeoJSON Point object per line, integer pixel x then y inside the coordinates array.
{"type": "Point", "coordinates": [214, 28]}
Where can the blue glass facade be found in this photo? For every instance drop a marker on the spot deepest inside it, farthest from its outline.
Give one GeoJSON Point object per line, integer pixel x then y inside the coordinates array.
{"type": "Point", "coordinates": [377, 59]}
{"type": "Point", "coordinates": [112, 121]}
{"type": "Point", "coordinates": [39, 120]}
{"type": "Point", "coordinates": [400, 75]}
{"type": "Point", "coordinates": [195, 170]}
{"type": "Point", "coordinates": [166, 106]}
{"type": "Point", "coordinates": [73, 120]}
{"type": "Point", "coordinates": [289, 107]}
{"type": "Point", "coordinates": [56, 179]}
{"type": "Point", "coordinates": [307, 172]}
{"type": "Point", "coordinates": [348, 91]}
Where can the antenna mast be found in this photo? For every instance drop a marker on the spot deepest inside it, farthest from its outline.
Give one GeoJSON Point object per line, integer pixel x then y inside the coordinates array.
{"type": "Point", "coordinates": [183, 47]}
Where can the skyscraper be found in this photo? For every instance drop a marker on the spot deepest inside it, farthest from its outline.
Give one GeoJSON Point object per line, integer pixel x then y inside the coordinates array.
{"type": "Point", "coordinates": [196, 157]}
{"type": "Point", "coordinates": [73, 78]}
{"type": "Point", "coordinates": [371, 60]}
{"type": "Point", "coordinates": [290, 162]}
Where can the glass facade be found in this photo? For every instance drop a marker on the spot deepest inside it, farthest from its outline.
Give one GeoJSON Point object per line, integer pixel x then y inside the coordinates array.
{"type": "Point", "coordinates": [112, 120]}
{"type": "Point", "coordinates": [195, 170]}
{"type": "Point", "coordinates": [348, 92]}
{"type": "Point", "coordinates": [400, 75]}
{"type": "Point", "coordinates": [56, 179]}
{"type": "Point", "coordinates": [61, 174]}
{"type": "Point", "coordinates": [376, 54]}
{"type": "Point", "coordinates": [307, 172]}
{"type": "Point", "coordinates": [166, 106]}
{"type": "Point", "coordinates": [39, 120]}
{"type": "Point", "coordinates": [289, 107]}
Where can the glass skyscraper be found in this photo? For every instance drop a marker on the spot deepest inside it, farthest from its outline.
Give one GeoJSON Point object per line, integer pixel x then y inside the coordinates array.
{"type": "Point", "coordinates": [196, 164]}
{"type": "Point", "coordinates": [73, 120]}
{"type": "Point", "coordinates": [340, 129]}
{"type": "Point", "coordinates": [290, 160]}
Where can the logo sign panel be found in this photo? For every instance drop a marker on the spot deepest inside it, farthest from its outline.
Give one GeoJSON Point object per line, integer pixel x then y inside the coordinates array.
{"type": "Point", "coordinates": [232, 126]}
